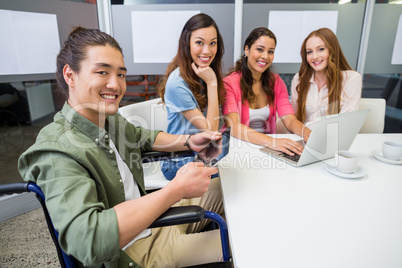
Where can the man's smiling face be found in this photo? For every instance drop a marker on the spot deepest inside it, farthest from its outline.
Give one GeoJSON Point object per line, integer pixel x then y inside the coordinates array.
{"type": "Point", "coordinates": [97, 89]}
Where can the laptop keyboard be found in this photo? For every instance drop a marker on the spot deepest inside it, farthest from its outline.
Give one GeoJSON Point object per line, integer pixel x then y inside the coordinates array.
{"type": "Point", "coordinates": [294, 157]}
{"type": "Point", "coordinates": [290, 159]}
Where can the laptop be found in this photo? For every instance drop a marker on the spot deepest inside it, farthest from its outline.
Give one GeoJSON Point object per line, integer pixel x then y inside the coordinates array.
{"type": "Point", "coordinates": [330, 134]}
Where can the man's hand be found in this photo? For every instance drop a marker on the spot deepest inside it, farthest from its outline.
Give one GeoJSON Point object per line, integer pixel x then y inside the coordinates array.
{"type": "Point", "coordinates": [198, 141]}
{"type": "Point", "coordinates": [193, 179]}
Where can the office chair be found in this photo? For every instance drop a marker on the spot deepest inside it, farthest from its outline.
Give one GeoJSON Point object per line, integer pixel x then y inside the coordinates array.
{"type": "Point", "coordinates": [376, 118]}
{"type": "Point", "coordinates": [374, 122]}
{"type": "Point", "coordinates": [173, 216]}
{"type": "Point", "coordinates": [150, 114]}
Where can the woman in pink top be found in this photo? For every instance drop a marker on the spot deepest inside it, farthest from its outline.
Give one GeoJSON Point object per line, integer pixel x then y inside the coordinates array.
{"type": "Point", "coordinates": [254, 95]}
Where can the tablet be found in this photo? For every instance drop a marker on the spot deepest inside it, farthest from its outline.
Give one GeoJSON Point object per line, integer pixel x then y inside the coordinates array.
{"type": "Point", "coordinates": [214, 151]}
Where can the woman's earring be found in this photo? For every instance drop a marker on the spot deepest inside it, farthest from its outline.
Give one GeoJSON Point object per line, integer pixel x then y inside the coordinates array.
{"type": "Point", "coordinates": [245, 56]}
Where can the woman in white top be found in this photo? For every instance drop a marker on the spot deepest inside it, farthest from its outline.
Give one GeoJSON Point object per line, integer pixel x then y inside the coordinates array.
{"type": "Point", "coordinates": [325, 84]}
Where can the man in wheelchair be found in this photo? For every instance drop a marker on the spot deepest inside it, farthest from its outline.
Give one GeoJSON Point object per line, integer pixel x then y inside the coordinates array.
{"type": "Point", "coordinates": [88, 164]}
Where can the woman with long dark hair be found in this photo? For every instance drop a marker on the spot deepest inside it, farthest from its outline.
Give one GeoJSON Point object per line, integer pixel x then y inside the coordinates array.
{"type": "Point", "coordinates": [254, 95]}
{"type": "Point", "coordinates": [192, 86]}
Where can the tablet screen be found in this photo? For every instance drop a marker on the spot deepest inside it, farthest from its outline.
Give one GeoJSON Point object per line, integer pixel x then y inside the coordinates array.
{"type": "Point", "coordinates": [215, 151]}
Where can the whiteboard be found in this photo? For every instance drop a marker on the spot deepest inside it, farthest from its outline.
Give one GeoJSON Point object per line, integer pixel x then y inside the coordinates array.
{"type": "Point", "coordinates": [156, 34]}
{"type": "Point", "coordinates": [397, 53]}
{"type": "Point", "coordinates": [292, 27]}
{"type": "Point", "coordinates": [30, 42]}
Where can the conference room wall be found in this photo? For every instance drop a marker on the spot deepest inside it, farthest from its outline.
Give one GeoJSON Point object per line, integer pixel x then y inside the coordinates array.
{"type": "Point", "coordinates": [223, 14]}
{"type": "Point", "coordinates": [377, 70]}
{"type": "Point", "coordinates": [68, 14]}
{"type": "Point", "coordinates": [382, 39]}
{"type": "Point", "coordinates": [381, 78]}
{"type": "Point", "coordinates": [349, 27]}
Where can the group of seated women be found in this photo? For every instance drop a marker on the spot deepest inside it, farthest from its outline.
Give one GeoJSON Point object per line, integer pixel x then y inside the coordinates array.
{"type": "Point", "coordinates": [252, 97]}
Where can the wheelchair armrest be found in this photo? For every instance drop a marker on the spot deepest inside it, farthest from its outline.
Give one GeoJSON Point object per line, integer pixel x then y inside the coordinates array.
{"type": "Point", "coordinates": [179, 215]}
{"type": "Point", "coordinates": [14, 188]}
{"type": "Point", "coordinates": [159, 156]}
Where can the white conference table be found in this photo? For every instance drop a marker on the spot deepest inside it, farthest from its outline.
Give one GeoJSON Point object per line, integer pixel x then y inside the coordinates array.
{"type": "Point", "coordinates": [284, 216]}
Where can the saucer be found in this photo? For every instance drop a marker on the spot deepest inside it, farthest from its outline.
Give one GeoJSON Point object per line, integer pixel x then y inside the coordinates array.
{"type": "Point", "coordinates": [379, 156]}
{"type": "Point", "coordinates": [360, 172]}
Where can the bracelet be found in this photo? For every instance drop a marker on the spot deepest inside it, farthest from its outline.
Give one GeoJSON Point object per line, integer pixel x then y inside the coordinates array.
{"type": "Point", "coordinates": [187, 144]}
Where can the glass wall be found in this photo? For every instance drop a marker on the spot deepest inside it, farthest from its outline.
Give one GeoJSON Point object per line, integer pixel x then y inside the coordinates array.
{"type": "Point", "coordinates": [383, 66]}
{"type": "Point", "coordinates": [347, 19]}
{"type": "Point", "coordinates": [148, 32]}
{"type": "Point", "coordinates": [381, 71]}
{"type": "Point", "coordinates": [30, 99]}
{"type": "Point", "coordinates": [145, 30]}
{"type": "Point", "coordinates": [28, 96]}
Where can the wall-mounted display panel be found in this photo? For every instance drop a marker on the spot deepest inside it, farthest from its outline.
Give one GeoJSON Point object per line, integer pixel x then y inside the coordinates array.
{"type": "Point", "coordinates": [68, 14]}
{"type": "Point", "coordinates": [348, 28]}
{"type": "Point", "coordinates": [167, 24]}
{"type": "Point", "coordinates": [397, 52]}
{"type": "Point", "coordinates": [129, 29]}
{"type": "Point", "coordinates": [291, 27]}
{"type": "Point", "coordinates": [17, 56]}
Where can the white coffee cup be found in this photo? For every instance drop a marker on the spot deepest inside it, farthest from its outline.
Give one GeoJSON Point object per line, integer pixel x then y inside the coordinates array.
{"type": "Point", "coordinates": [346, 161]}
{"type": "Point", "coordinates": [392, 150]}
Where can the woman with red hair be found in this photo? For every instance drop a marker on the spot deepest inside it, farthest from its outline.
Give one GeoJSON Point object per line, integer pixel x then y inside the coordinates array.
{"type": "Point", "coordinates": [325, 83]}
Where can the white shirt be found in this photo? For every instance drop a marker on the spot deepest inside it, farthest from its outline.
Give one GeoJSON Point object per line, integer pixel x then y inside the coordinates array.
{"type": "Point", "coordinates": [131, 190]}
{"type": "Point", "coordinates": [317, 100]}
{"type": "Point", "coordinates": [259, 118]}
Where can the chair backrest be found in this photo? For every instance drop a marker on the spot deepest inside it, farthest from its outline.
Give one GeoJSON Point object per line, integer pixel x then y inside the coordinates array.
{"type": "Point", "coordinates": [376, 118]}
{"type": "Point", "coordinates": [66, 261]}
{"type": "Point", "coordinates": [149, 114]}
